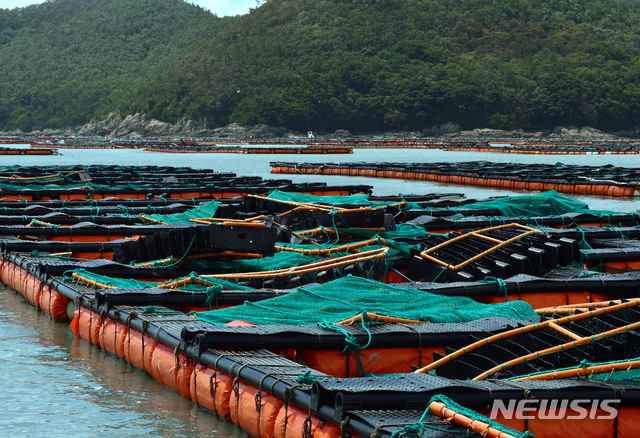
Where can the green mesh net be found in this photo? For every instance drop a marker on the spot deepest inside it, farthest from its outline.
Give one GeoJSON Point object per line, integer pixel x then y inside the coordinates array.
{"type": "Point", "coordinates": [549, 203]}
{"type": "Point", "coordinates": [201, 211]}
{"type": "Point", "coordinates": [397, 249]}
{"type": "Point", "coordinates": [288, 259]}
{"type": "Point", "coordinates": [330, 200]}
{"type": "Point", "coordinates": [280, 260]}
{"type": "Point", "coordinates": [346, 297]}
{"type": "Point", "coordinates": [402, 231]}
{"type": "Point", "coordinates": [124, 283]}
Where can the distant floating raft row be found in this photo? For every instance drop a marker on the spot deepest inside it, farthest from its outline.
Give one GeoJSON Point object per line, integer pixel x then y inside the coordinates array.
{"type": "Point", "coordinates": [248, 150]}
{"type": "Point", "coordinates": [144, 182]}
{"type": "Point", "coordinates": [553, 146]}
{"type": "Point", "coordinates": [547, 149]}
{"type": "Point", "coordinates": [539, 151]}
{"type": "Point", "coordinates": [83, 145]}
{"type": "Point", "coordinates": [16, 151]}
{"type": "Point", "coordinates": [579, 180]}
{"type": "Point", "coordinates": [383, 144]}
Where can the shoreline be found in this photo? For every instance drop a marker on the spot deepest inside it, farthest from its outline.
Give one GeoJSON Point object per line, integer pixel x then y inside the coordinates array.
{"type": "Point", "coordinates": [138, 126]}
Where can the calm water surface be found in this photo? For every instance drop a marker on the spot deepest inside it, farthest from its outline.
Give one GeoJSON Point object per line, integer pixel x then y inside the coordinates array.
{"type": "Point", "coordinates": [54, 385]}
{"type": "Point", "coordinates": [258, 165]}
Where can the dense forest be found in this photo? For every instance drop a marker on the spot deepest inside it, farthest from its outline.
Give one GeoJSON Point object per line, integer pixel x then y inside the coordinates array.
{"type": "Point", "coordinates": [365, 66]}
{"type": "Point", "coordinates": [63, 61]}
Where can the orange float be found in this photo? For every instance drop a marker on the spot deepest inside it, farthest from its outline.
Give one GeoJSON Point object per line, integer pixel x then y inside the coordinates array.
{"type": "Point", "coordinates": [293, 422]}
{"type": "Point", "coordinates": [173, 371]}
{"type": "Point", "coordinates": [202, 387]}
{"type": "Point", "coordinates": [374, 360]}
{"type": "Point", "coordinates": [54, 304]}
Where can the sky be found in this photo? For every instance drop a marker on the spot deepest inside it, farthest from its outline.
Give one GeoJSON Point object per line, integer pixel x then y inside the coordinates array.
{"type": "Point", "coordinates": [219, 7]}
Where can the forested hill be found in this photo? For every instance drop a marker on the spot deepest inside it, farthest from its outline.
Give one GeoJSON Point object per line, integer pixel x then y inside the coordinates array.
{"type": "Point", "coordinates": [374, 65]}
{"type": "Point", "coordinates": [361, 65]}
{"type": "Point", "coordinates": [61, 61]}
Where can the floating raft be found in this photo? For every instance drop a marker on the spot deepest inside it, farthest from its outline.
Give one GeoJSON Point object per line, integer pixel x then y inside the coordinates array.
{"type": "Point", "coordinates": [383, 144]}
{"type": "Point", "coordinates": [248, 150]}
{"type": "Point", "coordinates": [544, 347]}
{"type": "Point", "coordinates": [583, 180]}
{"type": "Point", "coordinates": [82, 145]}
{"type": "Point", "coordinates": [23, 151]}
{"type": "Point", "coordinates": [545, 147]}
{"type": "Point", "coordinates": [192, 357]}
{"type": "Point", "coordinates": [143, 182]}
{"type": "Point", "coordinates": [548, 149]}
{"type": "Point", "coordinates": [519, 146]}
{"type": "Point", "coordinates": [292, 331]}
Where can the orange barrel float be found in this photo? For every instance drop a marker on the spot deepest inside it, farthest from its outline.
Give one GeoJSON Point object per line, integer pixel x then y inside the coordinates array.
{"type": "Point", "coordinates": [255, 411]}
{"type": "Point", "coordinates": [374, 360]}
{"type": "Point", "coordinates": [139, 349]}
{"type": "Point", "coordinates": [54, 304]}
{"type": "Point", "coordinates": [112, 337]}
{"type": "Point", "coordinates": [172, 369]}
{"type": "Point", "coordinates": [293, 422]}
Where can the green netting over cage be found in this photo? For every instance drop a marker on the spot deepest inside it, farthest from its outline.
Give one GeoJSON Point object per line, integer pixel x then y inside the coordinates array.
{"type": "Point", "coordinates": [288, 259]}
{"type": "Point", "coordinates": [346, 297]}
{"type": "Point", "coordinates": [330, 200]}
{"type": "Point", "coordinates": [124, 283]}
{"type": "Point", "coordinates": [402, 231]}
{"type": "Point", "coordinates": [397, 249]}
{"type": "Point", "coordinates": [201, 211]}
{"type": "Point", "coordinates": [85, 186]}
{"type": "Point", "coordinates": [549, 203]}
{"type": "Point", "coordinates": [280, 260]}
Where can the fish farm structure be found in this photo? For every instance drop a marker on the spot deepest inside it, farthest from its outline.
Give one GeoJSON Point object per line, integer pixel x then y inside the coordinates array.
{"type": "Point", "coordinates": [306, 310]}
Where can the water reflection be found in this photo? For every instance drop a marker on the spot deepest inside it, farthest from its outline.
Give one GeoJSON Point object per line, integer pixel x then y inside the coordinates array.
{"type": "Point", "coordinates": [53, 384]}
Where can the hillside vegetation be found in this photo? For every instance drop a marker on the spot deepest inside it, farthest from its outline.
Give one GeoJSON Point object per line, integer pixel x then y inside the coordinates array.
{"type": "Point", "coordinates": [62, 61]}
{"type": "Point", "coordinates": [407, 64]}
{"type": "Point", "coordinates": [365, 66]}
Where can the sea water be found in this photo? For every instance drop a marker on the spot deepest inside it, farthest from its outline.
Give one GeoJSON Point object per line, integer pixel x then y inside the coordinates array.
{"type": "Point", "coordinates": [55, 385]}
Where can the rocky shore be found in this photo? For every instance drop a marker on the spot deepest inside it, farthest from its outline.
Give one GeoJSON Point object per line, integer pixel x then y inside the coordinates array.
{"type": "Point", "coordinates": [137, 125]}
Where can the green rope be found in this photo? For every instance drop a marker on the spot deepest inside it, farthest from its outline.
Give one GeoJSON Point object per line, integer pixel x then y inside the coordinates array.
{"type": "Point", "coordinates": [67, 277]}
{"type": "Point", "coordinates": [401, 274]}
{"type": "Point", "coordinates": [211, 292]}
{"type": "Point", "coordinates": [502, 285]}
{"type": "Point", "coordinates": [333, 213]}
{"type": "Point", "coordinates": [351, 341]}
{"type": "Point", "coordinates": [154, 309]}
{"type": "Point", "coordinates": [587, 274]}
{"type": "Point", "coordinates": [308, 379]}
{"type": "Point", "coordinates": [156, 263]}
{"type": "Point", "coordinates": [440, 273]}
{"type": "Point", "coordinates": [326, 234]}
{"type": "Point", "coordinates": [416, 429]}
{"type": "Point", "coordinates": [476, 416]}
{"type": "Point", "coordinates": [583, 243]}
